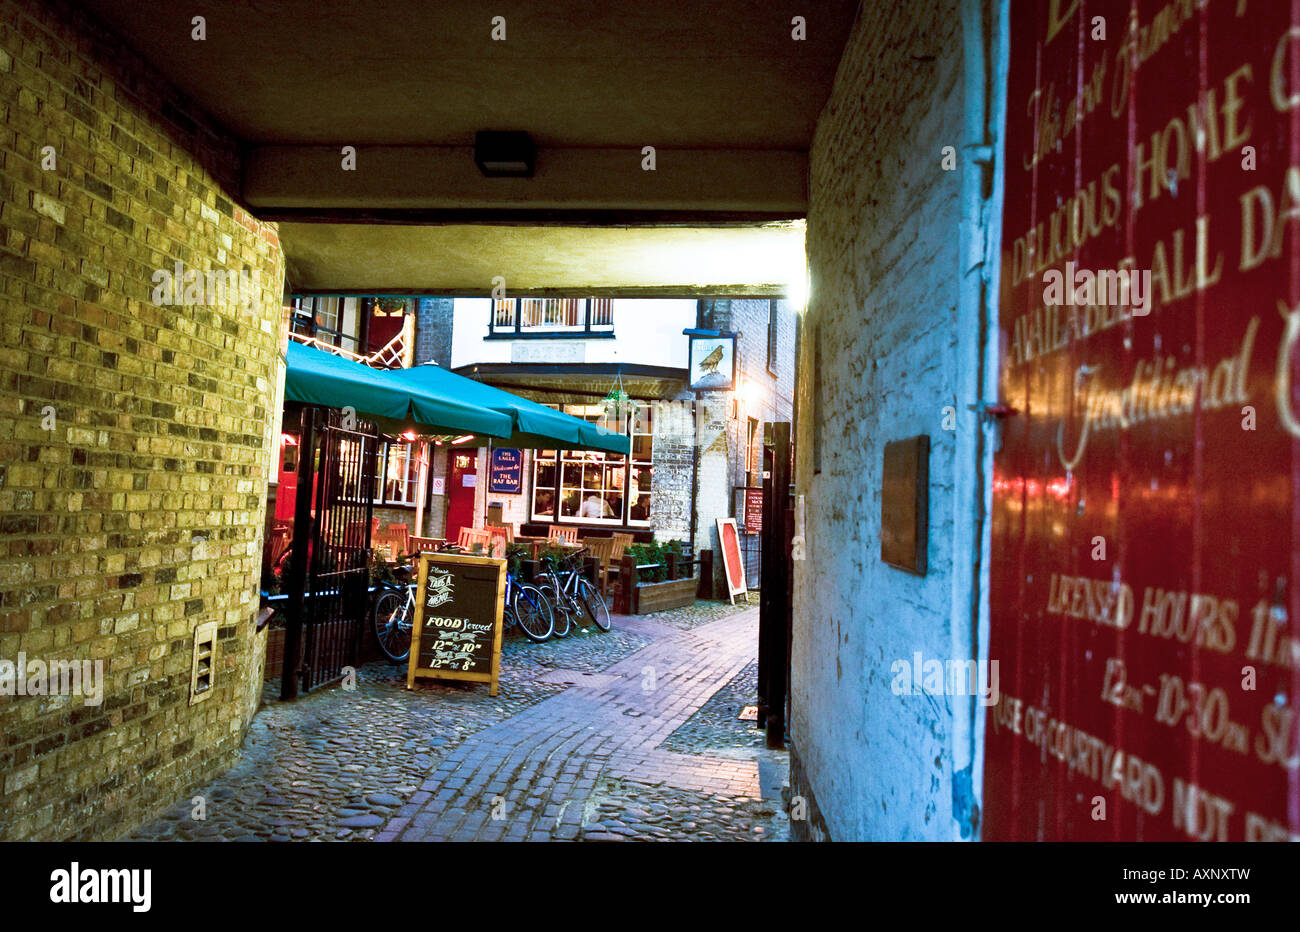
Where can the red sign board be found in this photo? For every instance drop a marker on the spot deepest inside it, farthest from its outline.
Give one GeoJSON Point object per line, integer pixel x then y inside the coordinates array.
{"type": "Point", "coordinates": [732, 562]}
{"type": "Point", "coordinates": [1143, 599]}
{"type": "Point", "coordinates": [753, 511]}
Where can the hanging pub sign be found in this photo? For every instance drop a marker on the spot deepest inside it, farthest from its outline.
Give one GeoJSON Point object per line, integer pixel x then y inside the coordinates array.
{"type": "Point", "coordinates": [506, 470]}
{"type": "Point", "coordinates": [1143, 602]}
{"type": "Point", "coordinates": [459, 606]}
{"type": "Point", "coordinates": [712, 362]}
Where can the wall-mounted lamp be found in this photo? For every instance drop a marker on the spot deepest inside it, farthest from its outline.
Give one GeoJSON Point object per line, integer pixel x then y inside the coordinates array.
{"type": "Point", "coordinates": [508, 154]}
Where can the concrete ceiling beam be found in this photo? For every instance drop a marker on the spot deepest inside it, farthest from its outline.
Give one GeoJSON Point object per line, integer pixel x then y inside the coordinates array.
{"type": "Point", "coordinates": [472, 260]}
{"type": "Point", "coordinates": [303, 179]}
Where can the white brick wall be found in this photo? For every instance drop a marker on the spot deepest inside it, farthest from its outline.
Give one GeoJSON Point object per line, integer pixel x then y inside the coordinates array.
{"type": "Point", "coordinates": [882, 252]}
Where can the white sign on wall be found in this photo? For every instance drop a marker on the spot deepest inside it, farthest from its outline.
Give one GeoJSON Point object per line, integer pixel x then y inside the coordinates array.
{"type": "Point", "coordinates": [439, 486]}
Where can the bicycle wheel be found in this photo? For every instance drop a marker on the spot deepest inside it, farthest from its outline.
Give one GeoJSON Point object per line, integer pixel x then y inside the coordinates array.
{"type": "Point", "coordinates": [532, 612]}
{"type": "Point", "coordinates": [593, 605]}
{"type": "Point", "coordinates": [559, 609]}
{"type": "Point", "coordinates": [392, 627]}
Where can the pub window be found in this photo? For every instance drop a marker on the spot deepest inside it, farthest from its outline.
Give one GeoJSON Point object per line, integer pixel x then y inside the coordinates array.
{"type": "Point", "coordinates": [638, 509]}
{"type": "Point", "coordinates": [592, 487]}
{"type": "Point", "coordinates": [323, 318]}
{"type": "Point", "coordinates": [593, 483]}
{"type": "Point", "coordinates": [327, 314]}
{"type": "Point", "coordinates": [397, 474]}
{"type": "Point", "coordinates": [544, 485]}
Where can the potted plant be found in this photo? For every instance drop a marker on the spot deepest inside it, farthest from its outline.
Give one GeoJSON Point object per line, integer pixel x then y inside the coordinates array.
{"type": "Point", "coordinates": [655, 592]}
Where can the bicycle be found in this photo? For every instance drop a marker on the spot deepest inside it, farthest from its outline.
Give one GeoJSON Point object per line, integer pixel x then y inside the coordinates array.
{"type": "Point", "coordinates": [528, 608]}
{"type": "Point", "coordinates": [573, 595]}
{"type": "Point", "coordinates": [393, 617]}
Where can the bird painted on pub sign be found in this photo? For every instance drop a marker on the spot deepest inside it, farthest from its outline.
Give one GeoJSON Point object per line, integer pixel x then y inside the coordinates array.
{"type": "Point", "coordinates": [709, 364]}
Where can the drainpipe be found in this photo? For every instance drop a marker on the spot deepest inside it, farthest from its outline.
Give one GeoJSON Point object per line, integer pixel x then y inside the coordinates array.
{"type": "Point", "coordinates": [695, 472]}
{"type": "Point", "coordinates": [976, 391]}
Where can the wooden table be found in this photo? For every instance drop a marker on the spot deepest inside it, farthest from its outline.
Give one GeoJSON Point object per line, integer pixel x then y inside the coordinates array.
{"type": "Point", "coordinates": [537, 543]}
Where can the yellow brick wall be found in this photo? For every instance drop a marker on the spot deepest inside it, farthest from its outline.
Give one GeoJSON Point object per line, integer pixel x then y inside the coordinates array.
{"type": "Point", "coordinates": [133, 435]}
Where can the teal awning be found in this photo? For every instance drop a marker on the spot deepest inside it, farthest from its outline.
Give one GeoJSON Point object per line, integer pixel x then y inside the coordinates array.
{"type": "Point", "coordinates": [319, 378]}
{"type": "Point", "coordinates": [535, 425]}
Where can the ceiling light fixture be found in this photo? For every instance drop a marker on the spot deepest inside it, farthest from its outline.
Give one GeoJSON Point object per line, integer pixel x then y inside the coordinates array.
{"type": "Point", "coordinates": [504, 154]}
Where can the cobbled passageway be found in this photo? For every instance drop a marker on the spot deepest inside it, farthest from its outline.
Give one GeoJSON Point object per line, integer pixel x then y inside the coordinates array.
{"type": "Point", "coordinates": [630, 735]}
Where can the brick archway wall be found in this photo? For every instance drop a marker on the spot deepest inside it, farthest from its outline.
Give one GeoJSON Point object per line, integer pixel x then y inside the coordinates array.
{"type": "Point", "coordinates": [135, 432]}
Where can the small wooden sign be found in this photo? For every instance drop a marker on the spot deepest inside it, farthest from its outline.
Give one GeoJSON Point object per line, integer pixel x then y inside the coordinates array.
{"type": "Point", "coordinates": [732, 563]}
{"type": "Point", "coordinates": [459, 607]}
{"type": "Point", "coordinates": [905, 504]}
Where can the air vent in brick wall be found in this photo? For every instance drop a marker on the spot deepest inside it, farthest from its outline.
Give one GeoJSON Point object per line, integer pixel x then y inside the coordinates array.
{"type": "Point", "coordinates": [203, 676]}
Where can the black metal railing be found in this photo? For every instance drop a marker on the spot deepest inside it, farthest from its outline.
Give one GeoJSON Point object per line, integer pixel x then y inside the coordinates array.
{"type": "Point", "coordinates": [327, 582]}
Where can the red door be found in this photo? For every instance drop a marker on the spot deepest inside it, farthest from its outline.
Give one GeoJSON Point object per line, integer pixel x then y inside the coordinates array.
{"type": "Point", "coordinates": [461, 483]}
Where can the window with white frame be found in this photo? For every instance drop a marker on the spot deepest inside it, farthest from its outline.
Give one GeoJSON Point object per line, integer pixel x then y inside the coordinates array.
{"type": "Point", "coordinates": [398, 474]}
{"type": "Point", "coordinates": [639, 482]}
{"type": "Point", "coordinates": [541, 316]}
{"type": "Point", "coordinates": [324, 319]}
{"type": "Point", "coordinates": [544, 475]}
{"type": "Point", "coordinates": [593, 487]}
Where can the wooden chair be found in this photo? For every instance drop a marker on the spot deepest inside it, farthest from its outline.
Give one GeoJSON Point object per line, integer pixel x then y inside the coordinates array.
{"type": "Point", "coordinates": [279, 543]}
{"type": "Point", "coordinates": [602, 548]}
{"type": "Point", "coordinates": [398, 537]}
{"type": "Point", "coordinates": [622, 541]}
{"type": "Point", "coordinates": [501, 538]}
{"type": "Point", "coordinates": [568, 535]}
{"type": "Point", "coordinates": [471, 538]}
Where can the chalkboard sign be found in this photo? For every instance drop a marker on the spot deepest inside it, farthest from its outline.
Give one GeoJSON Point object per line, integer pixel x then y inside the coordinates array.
{"type": "Point", "coordinates": [459, 601]}
{"type": "Point", "coordinates": [506, 471]}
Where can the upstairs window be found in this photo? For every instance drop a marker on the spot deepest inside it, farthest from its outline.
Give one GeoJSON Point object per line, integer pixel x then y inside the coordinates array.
{"type": "Point", "coordinates": [328, 319]}
{"type": "Point", "coordinates": [521, 317]}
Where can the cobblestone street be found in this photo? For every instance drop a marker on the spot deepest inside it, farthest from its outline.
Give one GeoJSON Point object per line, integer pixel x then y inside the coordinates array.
{"type": "Point", "coordinates": [629, 735]}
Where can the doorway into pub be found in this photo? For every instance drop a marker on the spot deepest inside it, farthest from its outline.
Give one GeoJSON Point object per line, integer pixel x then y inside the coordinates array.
{"type": "Point", "coordinates": [462, 483]}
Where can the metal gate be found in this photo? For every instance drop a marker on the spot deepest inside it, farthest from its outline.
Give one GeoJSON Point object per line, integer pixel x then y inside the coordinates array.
{"type": "Point", "coordinates": [329, 582]}
{"type": "Point", "coordinates": [751, 551]}
{"type": "Point", "coordinates": [774, 617]}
